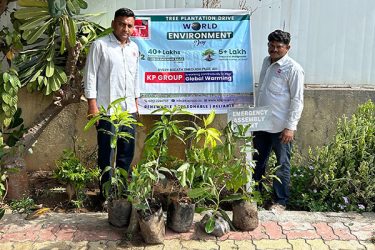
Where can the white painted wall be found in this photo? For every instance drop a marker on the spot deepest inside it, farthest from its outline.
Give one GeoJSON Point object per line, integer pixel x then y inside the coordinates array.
{"type": "Point", "coordinates": [334, 40]}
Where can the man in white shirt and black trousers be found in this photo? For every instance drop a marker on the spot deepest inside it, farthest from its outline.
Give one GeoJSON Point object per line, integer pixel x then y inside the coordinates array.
{"type": "Point", "coordinates": [112, 73]}
{"type": "Point", "coordinates": [280, 87]}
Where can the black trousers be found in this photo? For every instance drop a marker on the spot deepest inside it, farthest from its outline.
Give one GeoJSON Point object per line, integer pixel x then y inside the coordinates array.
{"type": "Point", "coordinates": [125, 149]}
{"type": "Point", "coordinates": [265, 143]}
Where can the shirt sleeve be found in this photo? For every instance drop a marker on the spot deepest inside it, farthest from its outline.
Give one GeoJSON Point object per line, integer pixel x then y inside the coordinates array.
{"type": "Point", "coordinates": [262, 74]}
{"type": "Point", "coordinates": [296, 85]}
{"type": "Point", "coordinates": [137, 93]}
{"type": "Point", "coordinates": [92, 67]}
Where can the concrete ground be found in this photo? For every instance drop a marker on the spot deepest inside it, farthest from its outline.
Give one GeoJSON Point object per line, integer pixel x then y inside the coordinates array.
{"type": "Point", "coordinates": [277, 230]}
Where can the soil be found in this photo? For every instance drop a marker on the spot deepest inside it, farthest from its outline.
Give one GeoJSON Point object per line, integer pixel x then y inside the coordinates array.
{"type": "Point", "coordinates": [245, 216]}
{"type": "Point", "coordinates": [47, 191]}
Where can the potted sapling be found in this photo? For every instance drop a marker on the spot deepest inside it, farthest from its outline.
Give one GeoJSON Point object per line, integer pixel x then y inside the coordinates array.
{"type": "Point", "coordinates": [240, 168]}
{"type": "Point", "coordinates": [205, 156]}
{"type": "Point", "coordinates": [115, 189]}
{"type": "Point", "coordinates": [180, 212]}
{"type": "Point", "coordinates": [149, 210]}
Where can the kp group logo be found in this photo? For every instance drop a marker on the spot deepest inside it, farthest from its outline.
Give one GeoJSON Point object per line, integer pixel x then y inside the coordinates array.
{"type": "Point", "coordinates": [142, 27]}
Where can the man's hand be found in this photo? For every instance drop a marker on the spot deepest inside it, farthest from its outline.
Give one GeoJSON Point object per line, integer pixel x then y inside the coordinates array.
{"type": "Point", "coordinates": [91, 112]}
{"type": "Point", "coordinates": [92, 108]}
{"type": "Point", "coordinates": [286, 136]}
{"type": "Point", "coordinates": [137, 110]}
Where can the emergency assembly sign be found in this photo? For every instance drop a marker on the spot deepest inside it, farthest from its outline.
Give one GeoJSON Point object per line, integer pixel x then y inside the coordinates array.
{"type": "Point", "coordinates": [260, 118]}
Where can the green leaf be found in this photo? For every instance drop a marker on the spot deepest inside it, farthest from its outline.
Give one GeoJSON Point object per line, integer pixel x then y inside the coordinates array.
{"type": "Point", "coordinates": [8, 39]}
{"type": "Point", "coordinates": [54, 82]}
{"type": "Point", "coordinates": [35, 35]}
{"type": "Point", "coordinates": [32, 24]}
{"type": "Point", "coordinates": [7, 121]}
{"type": "Point", "coordinates": [27, 34]}
{"type": "Point", "coordinates": [213, 132]}
{"type": "Point", "coordinates": [183, 167]}
{"type": "Point", "coordinates": [61, 75]}
{"type": "Point", "coordinates": [45, 81]}
{"type": "Point", "coordinates": [77, 7]}
{"type": "Point", "coordinates": [62, 34]}
{"type": "Point", "coordinates": [92, 121]}
{"type": "Point", "coordinates": [82, 4]}
{"type": "Point", "coordinates": [197, 192]}
{"type": "Point", "coordinates": [232, 197]}
{"type": "Point", "coordinates": [70, 6]}
{"type": "Point", "coordinates": [36, 75]}
{"type": "Point", "coordinates": [56, 8]}
{"type": "Point", "coordinates": [73, 6]}
{"type": "Point", "coordinates": [50, 69]}
{"type": "Point", "coordinates": [48, 89]}
{"type": "Point", "coordinates": [16, 83]}
{"type": "Point", "coordinates": [51, 53]}
{"type": "Point", "coordinates": [210, 119]}
{"type": "Point", "coordinates": [182, 179]}
{"type": "Point", "coordinates": [32, 3]}
{"type": "Point", "coordinates": [125, 135]}
{"type": "Point", "coordinates": [6, 77]}
{"type": "Point", "coordinates": [14, 101]}
{"type": "Point", "coordinates": [30, 12]}
{"type": "Point", "coordinates": [200, 132]}
{"type": "Point", "coordinates": [123, 173]}
{"type": "Point", "coordinates": [6, 97]}
{"type": "Point", "coordinates": [72, 32]}
{"type": "Point", "coordinates": [107, 169]}
{"type": "Point", "coordinates": [8, 87]}
{"type": "Point", "coordinates": [164, 169]}
{"type": "Point", "coordinates": [115, 102]}
{"type": "Point", "coordinates": [83, 40]}
{"type": "Point", "coordinates": [6, 109]}
{"type": "Point", "coordinates": [210, 225]}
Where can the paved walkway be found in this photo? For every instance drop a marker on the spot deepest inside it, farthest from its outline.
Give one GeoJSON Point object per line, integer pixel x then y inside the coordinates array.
{"type": "Point", "coordinates": [283, 230]}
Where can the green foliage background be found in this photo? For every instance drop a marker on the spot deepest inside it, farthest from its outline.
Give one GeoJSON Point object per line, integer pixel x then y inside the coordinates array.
{"type": "Point", "coordinates": [339, 176]}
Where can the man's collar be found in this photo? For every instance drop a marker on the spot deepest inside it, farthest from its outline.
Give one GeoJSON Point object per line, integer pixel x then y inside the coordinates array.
{"type": "Point", "coordinates": [113, 38]}
{"type": "Point", "coordinates": [281, 61]}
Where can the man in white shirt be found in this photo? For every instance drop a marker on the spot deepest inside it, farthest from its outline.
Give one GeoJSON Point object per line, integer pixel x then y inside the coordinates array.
{"type": "Point", "coordinates": [281, 88]}
{"type": "Point", "coordinates": [112, 73]}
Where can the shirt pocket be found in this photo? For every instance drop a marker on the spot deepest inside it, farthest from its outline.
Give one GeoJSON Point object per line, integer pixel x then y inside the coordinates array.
{"type": "Point", "coordinates": [276, 85]}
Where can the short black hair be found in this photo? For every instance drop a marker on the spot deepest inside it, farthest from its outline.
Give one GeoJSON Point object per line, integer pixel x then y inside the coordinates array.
{"type": "Point", "coordinates": [279, 36]}
{"type": "Point", "coordinates": [124, 12]}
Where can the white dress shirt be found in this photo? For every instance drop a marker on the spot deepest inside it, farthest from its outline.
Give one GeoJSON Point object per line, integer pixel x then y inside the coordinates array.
{"type": "Point", "coordinates": [281, 88]}
{"type": "Point", "coordinates": [112, 72]}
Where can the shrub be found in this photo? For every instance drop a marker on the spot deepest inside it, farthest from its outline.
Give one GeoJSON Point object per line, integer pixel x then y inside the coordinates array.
{"type": "Point", "coordinates": [340, 176]}
{"type": "Point", "coordinates": [73, 173]}
{"type": "Point", "coordinates": [24, 205]}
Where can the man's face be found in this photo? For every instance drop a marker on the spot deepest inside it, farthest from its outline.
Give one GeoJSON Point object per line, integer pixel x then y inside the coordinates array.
{"type": "Point", "coordinates": [277, 50]}
{"type": "Point", "coordinates": [123, 27]}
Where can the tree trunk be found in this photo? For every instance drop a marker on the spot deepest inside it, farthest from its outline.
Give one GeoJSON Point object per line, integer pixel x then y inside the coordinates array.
{"type": "Point", "coordinates": [15, 158]}
{"type": "Point", "coordinates": [70, 92]}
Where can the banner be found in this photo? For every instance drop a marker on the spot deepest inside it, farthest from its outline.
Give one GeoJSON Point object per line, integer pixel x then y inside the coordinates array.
{"type": "Point", "coordinates": [196, 58]}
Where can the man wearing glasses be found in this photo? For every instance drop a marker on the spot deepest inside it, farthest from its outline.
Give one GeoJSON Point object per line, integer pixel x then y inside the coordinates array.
{"type": "Point", "coordinates": [281, 88]}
